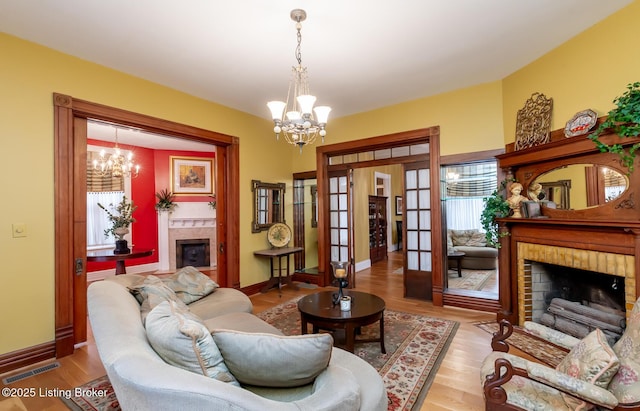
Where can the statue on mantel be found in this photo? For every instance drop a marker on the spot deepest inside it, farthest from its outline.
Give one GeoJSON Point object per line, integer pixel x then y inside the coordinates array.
{"type": "Point", "coordinates": [535, 192]}
{"type": "Point", "coordinates": [516, 200]}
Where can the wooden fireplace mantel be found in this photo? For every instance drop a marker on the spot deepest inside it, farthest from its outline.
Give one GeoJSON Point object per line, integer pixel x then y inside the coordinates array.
{"type": "Point", "coordinates": [611, 227]}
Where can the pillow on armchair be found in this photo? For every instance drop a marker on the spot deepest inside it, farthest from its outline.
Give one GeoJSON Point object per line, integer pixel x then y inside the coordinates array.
{"type": "Point", "coordinates": [591, 360]}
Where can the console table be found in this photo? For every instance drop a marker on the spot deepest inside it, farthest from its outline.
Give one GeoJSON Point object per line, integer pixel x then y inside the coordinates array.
{"type": "Point", "coordinates": [278, 253]}
{"type": "Point", "coordinates": [108, 255]}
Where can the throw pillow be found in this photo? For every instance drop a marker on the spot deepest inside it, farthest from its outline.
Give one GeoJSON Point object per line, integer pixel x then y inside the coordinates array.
{"type": "Point", "coordinates": [462, 237]}
{"type": "Point", "coordinates": [190, 285]}
{"type": "Point", "coordinates": [591, 360]}
{"type": "Point", "coordinates": [181, 339]}
{"type": "Point", "coordinates": [150, 292]}
{"type": "Point", "coordinates": [626, 383]}
{"type": "Point", "coordinates": [477, 239]}
{"type": "Point", "coordinates": [269, 360]}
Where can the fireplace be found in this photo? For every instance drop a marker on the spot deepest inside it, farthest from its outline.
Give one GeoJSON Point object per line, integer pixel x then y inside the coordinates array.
{"type": "Point", "coordinates": [584, 234]}
{"type": "Point", "coordinates": [192, 252]}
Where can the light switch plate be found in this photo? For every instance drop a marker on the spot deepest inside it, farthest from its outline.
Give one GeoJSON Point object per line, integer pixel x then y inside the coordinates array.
{"type": "Point", "coordinates": [19, 230]}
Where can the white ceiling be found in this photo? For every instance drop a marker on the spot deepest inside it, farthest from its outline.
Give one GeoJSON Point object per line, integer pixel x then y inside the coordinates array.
{"type": "Point", "coordinates": [361, 54]}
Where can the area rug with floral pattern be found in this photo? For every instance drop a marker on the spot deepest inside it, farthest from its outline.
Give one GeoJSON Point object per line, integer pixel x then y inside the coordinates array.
{"type": "Point", "coordinates": [415, 347]}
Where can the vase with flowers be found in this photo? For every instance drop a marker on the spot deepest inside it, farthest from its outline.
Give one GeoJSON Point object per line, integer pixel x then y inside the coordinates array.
{"type": "Point", "coordinates": [120, 223]}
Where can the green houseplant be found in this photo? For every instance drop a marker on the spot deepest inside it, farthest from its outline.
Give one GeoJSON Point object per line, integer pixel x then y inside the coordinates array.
{"type": "Point", "coordinates": [165, 201]}
{"type": "Point", "coordinates": [120, 223]}
{"type": "Point", "coordinates": [623, 120]}
{"type": "Point", "coordinates": [495, 206]}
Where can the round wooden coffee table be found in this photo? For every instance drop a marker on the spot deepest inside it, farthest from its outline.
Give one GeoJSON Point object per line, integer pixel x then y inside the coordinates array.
{"type": "Point", "coordinates": [318, 310]}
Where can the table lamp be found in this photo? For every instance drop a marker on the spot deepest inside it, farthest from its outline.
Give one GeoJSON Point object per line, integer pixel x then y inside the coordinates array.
{"type": "Point", "coordinates": [340, 272]}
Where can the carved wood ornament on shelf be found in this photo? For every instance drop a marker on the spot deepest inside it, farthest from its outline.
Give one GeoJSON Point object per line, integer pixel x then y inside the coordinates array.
{"type": "Point", "coordinates": [534, 122]}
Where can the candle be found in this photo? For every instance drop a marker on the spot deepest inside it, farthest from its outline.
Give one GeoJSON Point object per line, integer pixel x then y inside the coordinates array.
{"type": "Point", "coordinates": [345, 304]}
{"type": "Point", "coordinates": [341, 273]}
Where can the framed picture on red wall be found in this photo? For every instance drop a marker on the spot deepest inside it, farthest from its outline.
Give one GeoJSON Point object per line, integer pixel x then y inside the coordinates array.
{"type": "Point", "coordinates": [191, 175]}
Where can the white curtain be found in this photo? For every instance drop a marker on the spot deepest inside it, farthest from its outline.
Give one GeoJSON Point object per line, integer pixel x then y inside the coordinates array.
{"type": "Point", "coordinates": [97, 218]}
{"type": "Point", "coordinates": [464, 213]}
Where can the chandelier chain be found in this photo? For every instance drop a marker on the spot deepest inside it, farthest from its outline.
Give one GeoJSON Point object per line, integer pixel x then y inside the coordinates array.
{"type": "Point", "coordinates": [298, 48]}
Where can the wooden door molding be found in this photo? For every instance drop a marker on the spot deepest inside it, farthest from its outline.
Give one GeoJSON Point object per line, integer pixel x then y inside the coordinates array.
{"type": "Point", "coordinates": [67, 110]}
{"type": "Point", "coordinates": [429, 135]}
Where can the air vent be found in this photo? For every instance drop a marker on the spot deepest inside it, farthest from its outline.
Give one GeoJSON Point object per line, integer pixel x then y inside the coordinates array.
{"type": "Point", "coordinates": [30, 373]}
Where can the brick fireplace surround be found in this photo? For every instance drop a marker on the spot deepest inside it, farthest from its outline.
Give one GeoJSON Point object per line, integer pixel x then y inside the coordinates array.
{"type": "Point", "coordinates": [603, 238]}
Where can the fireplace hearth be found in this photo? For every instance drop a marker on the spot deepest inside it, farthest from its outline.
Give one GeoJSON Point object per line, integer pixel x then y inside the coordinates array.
{"type": "Point", "coordinates": [576, 301]}
{"type": "Point", "coordinates": [192, 252]}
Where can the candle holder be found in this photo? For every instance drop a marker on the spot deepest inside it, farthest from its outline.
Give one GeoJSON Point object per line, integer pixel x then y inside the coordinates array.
{"type": "Point", "coordinates": [340, 272]}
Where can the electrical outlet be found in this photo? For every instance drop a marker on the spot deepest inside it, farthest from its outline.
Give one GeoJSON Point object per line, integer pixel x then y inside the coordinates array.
{"type": "Point", "coordinates": [19, 230]}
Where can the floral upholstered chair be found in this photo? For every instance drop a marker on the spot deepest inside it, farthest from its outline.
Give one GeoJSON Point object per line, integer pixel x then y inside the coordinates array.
{"type": "Point", "coordinates": [592, 375]}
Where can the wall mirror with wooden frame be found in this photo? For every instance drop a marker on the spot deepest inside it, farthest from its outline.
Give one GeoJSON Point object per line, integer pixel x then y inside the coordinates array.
{"type": "Point", "coordinates": [585, 184]}
{"type": "Point", "coordinates": [268, 205]}
{"type": "Point", "coordinates": [580, 186]}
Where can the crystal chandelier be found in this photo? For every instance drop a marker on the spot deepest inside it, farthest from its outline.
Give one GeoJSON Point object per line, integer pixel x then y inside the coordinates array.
{"type": "Point", "coordinates": [116, 164]}
{"type": "Point", "coordinates": [294, 118]}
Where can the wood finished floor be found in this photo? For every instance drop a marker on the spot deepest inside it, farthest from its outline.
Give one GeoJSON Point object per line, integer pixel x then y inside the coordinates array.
{"type": "Point", "coordinates": [457, 382]}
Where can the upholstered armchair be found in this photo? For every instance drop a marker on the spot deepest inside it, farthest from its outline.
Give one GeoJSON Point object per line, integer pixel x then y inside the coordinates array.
{"type": "Point", "coordinates": [587, 374]}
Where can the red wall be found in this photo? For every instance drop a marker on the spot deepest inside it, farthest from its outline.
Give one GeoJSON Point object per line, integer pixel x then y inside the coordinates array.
{"type": "Point", "coordinates": [154, 176]}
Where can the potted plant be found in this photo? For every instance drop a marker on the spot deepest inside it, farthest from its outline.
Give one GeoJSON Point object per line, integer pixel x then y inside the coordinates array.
{"type": "Point", "coordinates": [120, 223]}
{"type": "Point", "coordinates": [212, 203]}
{"type": "Point", "coordinates": [623, 120]}
{"type": "Point", "coordinates": [165, 201]}
{"type": "Point", "coordinates": [495, 206]}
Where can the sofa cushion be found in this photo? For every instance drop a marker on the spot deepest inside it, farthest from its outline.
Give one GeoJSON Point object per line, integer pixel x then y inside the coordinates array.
{"type": "Point", "coordinates": [592, 360]}
{"type": "Point", "coordinates": [626, 383]}
{"type": "Point", "coordinates": [471, 238]}
{"type": "Point", "coordinates": [151, 291]}
{"type": "Point", "coordinates": [182, 340]}
{"type": "Point", "coordinates": [190, 285]}
{"type": "Point", "coordinates": [269, 360]}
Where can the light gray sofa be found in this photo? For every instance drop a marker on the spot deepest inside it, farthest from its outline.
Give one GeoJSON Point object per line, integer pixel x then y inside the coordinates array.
{"type": "Point", "coordinates": [143, 381]}
{"type": "Point", "coordinates": [478, 255]}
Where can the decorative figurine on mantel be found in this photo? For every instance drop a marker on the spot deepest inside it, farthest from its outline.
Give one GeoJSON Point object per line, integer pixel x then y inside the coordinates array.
{"type": "Point", "coordinates": [535, 192]}
{"type": "Point", "coordinates": [516, 200]}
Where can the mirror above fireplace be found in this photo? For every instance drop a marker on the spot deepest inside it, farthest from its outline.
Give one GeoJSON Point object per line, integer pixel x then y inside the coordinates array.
{"type": "Point", "coordinates": [580, 186]}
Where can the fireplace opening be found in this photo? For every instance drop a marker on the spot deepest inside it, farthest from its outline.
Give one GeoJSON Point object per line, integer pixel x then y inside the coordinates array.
{"type": "Point", "coordinates": [193, 252]}
{"type": "Point", "coordinates": [577, 301]}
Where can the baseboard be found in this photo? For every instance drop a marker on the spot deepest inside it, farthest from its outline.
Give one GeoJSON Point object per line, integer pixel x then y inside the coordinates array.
{"type": "Point", "coordinates": [363, 265]}
{"type": "Point", "coordinates": [27, 356]}
{"type": "Point", "coordinates": [254, 288]}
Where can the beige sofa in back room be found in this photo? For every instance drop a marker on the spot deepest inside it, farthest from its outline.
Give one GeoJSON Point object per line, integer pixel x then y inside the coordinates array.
{"type": "Point", "coordinates": [478, 256]}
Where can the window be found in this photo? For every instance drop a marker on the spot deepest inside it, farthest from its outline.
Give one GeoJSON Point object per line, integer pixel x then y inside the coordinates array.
{"type": "Point", "coordinates": [104, 190]}
{"type": "Point", "coordinates": [465, 186]}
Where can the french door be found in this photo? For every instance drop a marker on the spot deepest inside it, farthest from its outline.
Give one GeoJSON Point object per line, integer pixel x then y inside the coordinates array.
{"type": "Point", "coordinates": [341, 220]}
{"type": "Point", "coordinates": [417, 229]}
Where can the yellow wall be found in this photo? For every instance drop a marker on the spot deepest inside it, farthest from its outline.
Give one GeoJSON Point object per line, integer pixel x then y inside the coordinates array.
{"type": "Point", "coordinates": [29, 75]}
{"type": "Point", "coordinates": [470, 120]}
{"type": "Point", "coordinates": [586, 72]}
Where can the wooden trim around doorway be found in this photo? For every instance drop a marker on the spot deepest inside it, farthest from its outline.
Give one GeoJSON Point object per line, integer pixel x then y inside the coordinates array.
{"type": "Point", "coordinates": [66, 110]}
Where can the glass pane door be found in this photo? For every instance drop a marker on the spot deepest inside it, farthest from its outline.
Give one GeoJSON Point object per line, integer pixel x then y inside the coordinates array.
{"type": "Point", "coordinates": [417, 214]}
{"type": "Point", "coordinates": [340, 220]}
